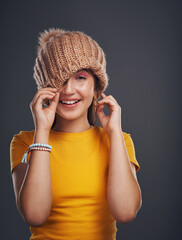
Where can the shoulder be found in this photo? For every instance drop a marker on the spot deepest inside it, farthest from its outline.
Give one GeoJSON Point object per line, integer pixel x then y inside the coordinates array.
{"type": "Point", "coordinates": [23, 137]}
{"type": "Point", "coordinates": [101, 131]}
{"type": "Point", "coordinates": [104, 137]}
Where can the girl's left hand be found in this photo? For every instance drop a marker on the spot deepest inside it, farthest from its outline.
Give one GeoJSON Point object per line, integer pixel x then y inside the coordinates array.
{"type": "Point", "coordinates": [110, 122]}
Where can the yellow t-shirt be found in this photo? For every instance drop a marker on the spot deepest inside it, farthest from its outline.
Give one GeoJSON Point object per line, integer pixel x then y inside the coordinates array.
{"type": "Point", "coordinates": [79, 165]}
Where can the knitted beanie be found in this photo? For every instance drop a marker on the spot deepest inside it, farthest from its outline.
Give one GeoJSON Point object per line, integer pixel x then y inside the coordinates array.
{"type": "Point", "coordinates": [62, 53]}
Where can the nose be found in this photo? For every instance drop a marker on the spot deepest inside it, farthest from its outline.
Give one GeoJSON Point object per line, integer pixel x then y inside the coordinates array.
{"type": "Point", "coordinates": [68, 87]}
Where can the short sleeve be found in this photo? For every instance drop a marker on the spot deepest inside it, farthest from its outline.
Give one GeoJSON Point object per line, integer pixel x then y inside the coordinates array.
{"type": "Point", "coordinates": [19, 144]}
{"type": "Point", "coordinates": [131, 150]}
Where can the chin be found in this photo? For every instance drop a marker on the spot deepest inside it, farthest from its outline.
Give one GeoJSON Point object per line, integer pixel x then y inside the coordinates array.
{"type": "Point", "coordinates": [73, 114]}
{"type": "Point", "coordinates": [69, 116]}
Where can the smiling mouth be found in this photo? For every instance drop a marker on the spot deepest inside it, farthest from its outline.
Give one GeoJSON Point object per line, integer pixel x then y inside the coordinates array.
{"type": "Point", "coordinates": [69, 102]}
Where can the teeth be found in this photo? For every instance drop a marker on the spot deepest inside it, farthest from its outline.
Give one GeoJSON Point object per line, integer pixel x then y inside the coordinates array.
{"type": "Point", "coordinates": [69, 102]}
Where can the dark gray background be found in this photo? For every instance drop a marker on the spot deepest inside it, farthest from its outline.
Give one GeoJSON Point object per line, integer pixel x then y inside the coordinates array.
{"type": "Point", "coordinates": [142, 42]}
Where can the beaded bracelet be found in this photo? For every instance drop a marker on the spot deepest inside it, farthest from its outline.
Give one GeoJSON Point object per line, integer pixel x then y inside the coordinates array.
{"type": "Point", "coordinates": [35, 146]}
{"type": "Point", "coordinates": [40, 148]}
{"type": "Point", "coordinates": [40, 145]}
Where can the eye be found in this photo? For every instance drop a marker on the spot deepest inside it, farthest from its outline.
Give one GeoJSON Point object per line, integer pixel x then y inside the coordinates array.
{"type": "Point", "coordinates": [81, 77]}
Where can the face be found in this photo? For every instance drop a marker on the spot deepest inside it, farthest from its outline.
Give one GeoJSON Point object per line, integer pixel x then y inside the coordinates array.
{"type": "Point", "coordinates": [76, 96]}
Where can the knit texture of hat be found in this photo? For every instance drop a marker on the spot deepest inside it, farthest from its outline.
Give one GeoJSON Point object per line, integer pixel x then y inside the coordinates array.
{"type": "Point", "coordinates": [62, 53]}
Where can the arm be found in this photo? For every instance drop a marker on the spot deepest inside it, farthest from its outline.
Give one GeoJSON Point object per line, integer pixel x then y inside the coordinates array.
{"type": "Point", "coordinates": [123, 191]}
{"type": "Point", "coordinates": [32, 185]}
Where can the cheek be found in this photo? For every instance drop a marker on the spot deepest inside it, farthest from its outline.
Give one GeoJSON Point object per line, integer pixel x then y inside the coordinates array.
{"type": "Point", "coordinates": [86, 90]}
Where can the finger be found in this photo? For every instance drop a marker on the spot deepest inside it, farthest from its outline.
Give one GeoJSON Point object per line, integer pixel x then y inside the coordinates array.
{"type": "Point", "coordinates": [39, 93]}
{"type": "Point", "coordinates": [38, 103]}
{"type": "Point", "coordinates": [43, 90]}
{"type": "Point", "coordinates": [109, 102]}
{"type": "Point", "coordinates": [106, 100]}
{"type": "Point", "coordinates": [111, 97]}
{"type": "Point", "coordinates": [54, 102]}
{"type": "Point", "coordinates": [100, 112]}
{"type": "Point", "coordinates": [47, 89]}
{"type": "Point", "coordinates": [108, 97]}
{"type": "Point", "coordinates": [103, 95]}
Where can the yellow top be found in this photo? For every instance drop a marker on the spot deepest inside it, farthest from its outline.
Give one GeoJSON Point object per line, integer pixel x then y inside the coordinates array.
{"type": "Point", "coordinates": [79, 167]}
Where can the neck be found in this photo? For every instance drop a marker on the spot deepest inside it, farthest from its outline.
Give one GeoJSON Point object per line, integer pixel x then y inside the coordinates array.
{"type": "Point", "coordinates": [76, 125]}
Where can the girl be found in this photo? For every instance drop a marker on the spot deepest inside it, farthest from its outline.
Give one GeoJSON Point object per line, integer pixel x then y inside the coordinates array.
{"type": "Point", "coordinates": [73, 179]}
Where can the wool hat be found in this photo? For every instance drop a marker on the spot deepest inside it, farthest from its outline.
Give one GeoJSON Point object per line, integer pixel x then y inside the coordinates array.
{"type": "Point", "coordinates": [62, 53]}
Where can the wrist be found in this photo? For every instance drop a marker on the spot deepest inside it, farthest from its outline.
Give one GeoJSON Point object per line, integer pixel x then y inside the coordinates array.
{"type": "Point", "coordinates": [114, 132]}
{"type": "Point", "coordinates": [41, 136]}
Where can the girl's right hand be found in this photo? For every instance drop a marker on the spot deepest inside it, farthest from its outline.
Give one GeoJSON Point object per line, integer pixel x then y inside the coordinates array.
{"type": "Point", "coordinates": [44, 116]}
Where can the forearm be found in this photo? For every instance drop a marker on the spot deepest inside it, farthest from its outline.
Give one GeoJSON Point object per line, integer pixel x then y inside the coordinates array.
{"type": "Point", "coordinates": [123, 191]}
{"type": "Point", "coordinates": [35, 196]}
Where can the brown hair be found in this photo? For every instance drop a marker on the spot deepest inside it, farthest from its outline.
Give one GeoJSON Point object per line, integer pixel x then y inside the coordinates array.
{"type": "Point", "coordinates": [91, 114]}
